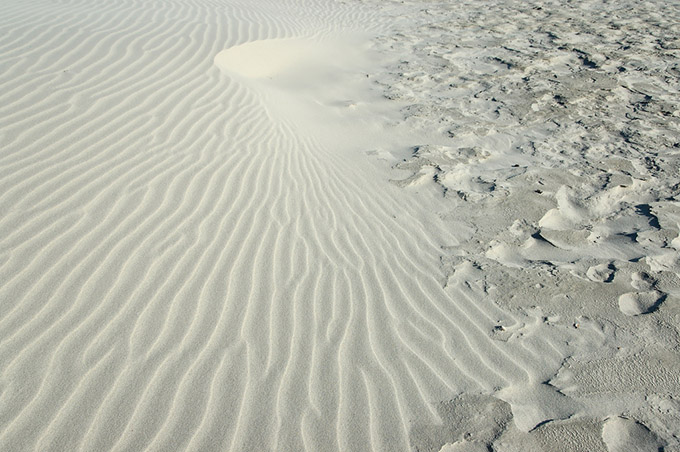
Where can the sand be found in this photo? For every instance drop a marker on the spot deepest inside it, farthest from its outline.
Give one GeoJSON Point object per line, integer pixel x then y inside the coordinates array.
{"type": "Point", "coordinates": [339, 226]}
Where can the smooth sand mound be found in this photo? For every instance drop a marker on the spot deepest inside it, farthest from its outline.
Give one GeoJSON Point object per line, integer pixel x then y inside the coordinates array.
{"type": "Point", "coordinates": [270, 58]}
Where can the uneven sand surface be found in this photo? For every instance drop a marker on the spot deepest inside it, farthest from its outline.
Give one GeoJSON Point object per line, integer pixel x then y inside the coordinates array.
{"type": "Point", "coordinates": [339, 226]}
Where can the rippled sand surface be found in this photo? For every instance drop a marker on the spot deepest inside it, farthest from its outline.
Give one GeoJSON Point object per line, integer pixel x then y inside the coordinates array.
{"type": "Point", "coordinates": [339, 226]}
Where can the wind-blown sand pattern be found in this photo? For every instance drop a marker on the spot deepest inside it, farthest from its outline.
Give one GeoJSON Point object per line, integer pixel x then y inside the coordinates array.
{"type": "Point", "coordinates": [203, 245]}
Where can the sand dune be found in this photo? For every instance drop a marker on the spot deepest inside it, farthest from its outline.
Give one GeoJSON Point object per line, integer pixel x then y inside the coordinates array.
{"type": "Point", "coordinates": [202, 246]}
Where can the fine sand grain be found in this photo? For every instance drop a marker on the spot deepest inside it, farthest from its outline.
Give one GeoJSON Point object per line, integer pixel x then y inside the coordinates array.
{"type": "Point", "coordinates": [339, 226]}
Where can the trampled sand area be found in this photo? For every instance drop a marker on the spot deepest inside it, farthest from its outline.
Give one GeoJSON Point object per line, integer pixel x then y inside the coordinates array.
{"type": "Point", "coordinates": [324, 225]}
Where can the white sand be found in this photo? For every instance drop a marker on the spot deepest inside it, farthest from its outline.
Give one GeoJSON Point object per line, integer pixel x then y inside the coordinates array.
{"type": "Point", "coordinates": [339, 226]}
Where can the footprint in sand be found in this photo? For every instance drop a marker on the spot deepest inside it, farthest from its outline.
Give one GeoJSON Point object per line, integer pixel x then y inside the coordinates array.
{"type": "Point", "coordinates": [626, 435]}
{"type": "Point", "coordinates": [642, 281]}
{"type": "Point", "coordinates": [637, 303]}
{"type": "Point", "coordinates": [601, 273]}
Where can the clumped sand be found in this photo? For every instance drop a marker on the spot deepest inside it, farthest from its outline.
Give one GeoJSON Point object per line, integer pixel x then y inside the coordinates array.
{"type": "Point", "coordinates": [339, 226]}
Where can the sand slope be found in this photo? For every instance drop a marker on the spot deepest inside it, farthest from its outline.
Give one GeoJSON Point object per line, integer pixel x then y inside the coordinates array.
{"type": "Point", "coordinates": [202, 246]}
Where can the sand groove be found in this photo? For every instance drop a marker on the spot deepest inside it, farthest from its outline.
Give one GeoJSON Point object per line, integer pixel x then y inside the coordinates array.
{"type": "Point", "coordinates": [182, 269]}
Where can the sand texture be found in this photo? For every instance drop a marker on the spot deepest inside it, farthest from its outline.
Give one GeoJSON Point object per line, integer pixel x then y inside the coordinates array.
{"type": "Point", "coordinates": [324, 225]}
